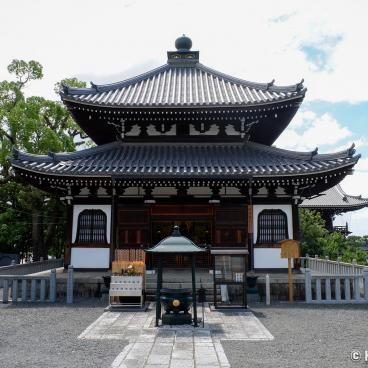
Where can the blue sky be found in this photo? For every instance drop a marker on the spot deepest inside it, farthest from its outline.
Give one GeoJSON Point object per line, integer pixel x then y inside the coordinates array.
{"type": "Point", "coordinates": [287, 40]}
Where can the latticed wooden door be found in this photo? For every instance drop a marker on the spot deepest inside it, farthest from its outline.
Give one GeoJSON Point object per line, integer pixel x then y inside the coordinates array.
{"type": "Point", "coordinates": [272, 226]}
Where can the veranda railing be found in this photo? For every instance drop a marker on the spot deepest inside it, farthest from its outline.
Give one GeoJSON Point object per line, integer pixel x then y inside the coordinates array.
{"type": "Point", "coordinates": [326, 266]}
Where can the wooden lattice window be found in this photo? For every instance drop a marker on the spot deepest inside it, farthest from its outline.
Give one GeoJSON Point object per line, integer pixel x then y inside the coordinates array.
{"type": "Point", "coordinates": [91, 227]}
{"type": "Point", "coordinates": [272, 226]}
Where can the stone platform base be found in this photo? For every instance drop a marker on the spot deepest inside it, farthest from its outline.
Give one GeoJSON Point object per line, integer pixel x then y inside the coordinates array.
{"type": "Point", "coordinates": [176, 319]}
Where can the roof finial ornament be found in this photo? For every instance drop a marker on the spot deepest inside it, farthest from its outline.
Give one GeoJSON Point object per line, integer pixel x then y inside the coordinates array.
{"type": "Point", "coordinates": [176, 231]}
{"type": "Point", "coordinates": [183, 43]}
{"type": "Point", "coordinates": [314, 152]}
{"type": "Point", "coordinates": [299, 85]}
{"type": "Point", "coordinates": [270, 84]}
{"type": "Point", "coordinates": [351, 150]}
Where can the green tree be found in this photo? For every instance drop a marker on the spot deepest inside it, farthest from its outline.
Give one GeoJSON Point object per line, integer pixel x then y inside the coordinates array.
{"type": "Point", "coordinates": [315, 239]}
{"type": "Point", "coordinates": [29, 217]}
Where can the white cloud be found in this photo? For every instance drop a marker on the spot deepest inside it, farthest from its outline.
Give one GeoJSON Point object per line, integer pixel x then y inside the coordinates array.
{"type": "Point", "coordinates": [253, 40]}
{"type": "Point", "coordinates": [308, 131]}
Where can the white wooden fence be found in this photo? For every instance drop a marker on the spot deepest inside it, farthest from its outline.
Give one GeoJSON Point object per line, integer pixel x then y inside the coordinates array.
{"type": "Point", "coordinates": [326, 266]}
{"type": "Point", "coordinates": [328, 288]}
{"type": "Point", "coordinates": [33, 288]}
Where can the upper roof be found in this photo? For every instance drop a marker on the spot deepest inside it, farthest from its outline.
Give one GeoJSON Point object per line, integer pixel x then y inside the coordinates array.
{"type": "Point", "coordinates": [335, 198]}
{"type": "Point", "coordinates": [184, 160]}
{"type": "Point", "coordinates": [183, 81]}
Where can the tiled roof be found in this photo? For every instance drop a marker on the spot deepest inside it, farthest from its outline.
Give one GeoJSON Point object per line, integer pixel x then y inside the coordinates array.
{"type": "Point", "coordinates": [335, 197]}
{"type": "Point", "coordinates": [185, 84]}
{"type": "Point", "coordinates": [184, 160]}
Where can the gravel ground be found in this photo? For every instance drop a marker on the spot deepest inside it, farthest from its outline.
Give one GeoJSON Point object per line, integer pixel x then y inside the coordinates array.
{"type": "Point", "coordinates": [46, 336]}
{"type": "Point", "coordinates": [305, 336]}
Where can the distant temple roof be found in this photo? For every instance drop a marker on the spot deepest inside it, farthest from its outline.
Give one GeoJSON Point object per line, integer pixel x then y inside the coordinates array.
{"type": "Point", "coordinates": [335, 199]}
{"type": "Point", "coordinates": [185, 161]}
{"type": "Point", "coordinates": [183, 81]}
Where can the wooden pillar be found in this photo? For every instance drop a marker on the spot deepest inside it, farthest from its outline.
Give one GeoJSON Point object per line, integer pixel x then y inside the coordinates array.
{"type": "Point", "coordinates": [247, 192]}
{"type": "Point", "coordinates": [69, 234]}
{"type": "Point", "coordinates": [296, 221]}
{"type": "Point", "coordinates": [113, 230]}
{"type": "Point", "coordinates": [194, 293]}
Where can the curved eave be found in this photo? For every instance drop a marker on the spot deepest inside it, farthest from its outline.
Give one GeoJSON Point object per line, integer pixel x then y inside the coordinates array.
{"type": "Point", "coordinates": [68, 99]}
{"type": "Point", "coordinates": [191, 176]}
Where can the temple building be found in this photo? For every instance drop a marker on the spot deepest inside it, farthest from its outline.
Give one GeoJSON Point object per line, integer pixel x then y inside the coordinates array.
{"type": "Point", "coordinates": [334, 202]}
{"type": "Point", "coordinates": [183, 145]}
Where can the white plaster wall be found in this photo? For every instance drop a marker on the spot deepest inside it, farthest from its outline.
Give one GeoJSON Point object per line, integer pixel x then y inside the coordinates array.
{"type": "Point", "coordinates": [90, 257]}
{"type": "Point", "coordinates": [78, 208]}
{"type": "Point", "coordinates": [270, 257]}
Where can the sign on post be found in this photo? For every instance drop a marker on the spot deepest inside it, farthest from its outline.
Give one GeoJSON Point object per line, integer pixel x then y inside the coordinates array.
{"type": "Point", "coordinates": [290, 249]}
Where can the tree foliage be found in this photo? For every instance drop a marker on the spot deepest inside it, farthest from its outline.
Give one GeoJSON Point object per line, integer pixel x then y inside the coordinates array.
{"type": "Point", "coordinates": [317, 240]}
{"type": "Point", "coordinates": [30, 219]}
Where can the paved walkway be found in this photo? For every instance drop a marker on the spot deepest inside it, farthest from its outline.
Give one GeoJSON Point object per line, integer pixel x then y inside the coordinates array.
{"type": "Point", "coordinates": [175, 347]}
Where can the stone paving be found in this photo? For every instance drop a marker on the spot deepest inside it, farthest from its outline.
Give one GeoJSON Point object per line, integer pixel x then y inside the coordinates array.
{"type": "Point", "coordinates": [179, 346]}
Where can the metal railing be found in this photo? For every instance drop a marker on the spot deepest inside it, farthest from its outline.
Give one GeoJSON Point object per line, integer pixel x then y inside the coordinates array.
{"type": "Point", "coordinates": [31, 267]}
{"type": "Point", "coordinates": [351, 288]}
{"type": "Point", "coordinates": [326, 266]}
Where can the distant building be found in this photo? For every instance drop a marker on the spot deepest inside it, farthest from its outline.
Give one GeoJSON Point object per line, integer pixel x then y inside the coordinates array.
{"type": "Point", "coordinates": [333, 202]}
{"type": "Point", "coordinates": [188, 145]}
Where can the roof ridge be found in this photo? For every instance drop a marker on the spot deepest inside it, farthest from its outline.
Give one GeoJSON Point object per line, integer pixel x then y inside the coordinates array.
{"type": "Point", "coordinates": [61, 156]}
{"type": "Point", "coordinates": [96, 88]}
{"type": "Point", "coordinates": [270, 86]}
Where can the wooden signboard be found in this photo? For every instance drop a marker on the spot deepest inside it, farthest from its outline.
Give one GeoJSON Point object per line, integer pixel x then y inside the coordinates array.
{"type": "Point", "coordinates": [290, 249]}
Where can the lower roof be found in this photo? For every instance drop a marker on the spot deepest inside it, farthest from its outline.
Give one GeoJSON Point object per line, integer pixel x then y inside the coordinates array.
{"type": "Point", "coordinates": [183, 161]}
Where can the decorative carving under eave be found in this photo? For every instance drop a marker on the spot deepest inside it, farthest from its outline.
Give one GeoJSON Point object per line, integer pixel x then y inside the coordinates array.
{"type": "Point", "coordinates": [161, 129]}
{"type": "Point", "coordinates": [215, 197]}
{"type": "Point", "coordinates": [203, 128]}
{"type": "Point", "coordinates": [182, 191]}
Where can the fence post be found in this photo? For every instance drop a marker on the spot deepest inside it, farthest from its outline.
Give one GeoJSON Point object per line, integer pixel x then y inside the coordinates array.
{"type": "Point", "coordinates": [53, 286]}
{"type": "Point", "coordinates": [328, 288]}
{"type": "Point", "coordinates": [338, 265]}
{"type": "Point", "coordinates": [268, 293]}
{"type": "Point", "coordinates": [308, 286]}
{"type": "Point", "coordinates": [347, 288]}
{"type": "Point", "coordinates": [327, 265]}
{"type": "Point", "coordinates": [337, 289]}
{"type": "Point", "coordinates": [354, 263]}
{"type": "Point", "coordinates": [69, 286]}
{"type": "Point", "coordinates": [42, 290]}
{"type": "Point", "coordinates": [318, 289]}
{"type": "Point", "coordinates": [356, 288]}
{"type": "Point", "coordinates": [365, 273]}
{"type": "Point", "coordinates": [15, 291]}
{"type": "Point", "coordinates": [5, 291]}
{"type": "Point", "coordinates": [33, 290]}
{"type": "Point", "coordinates": [24, 290]}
